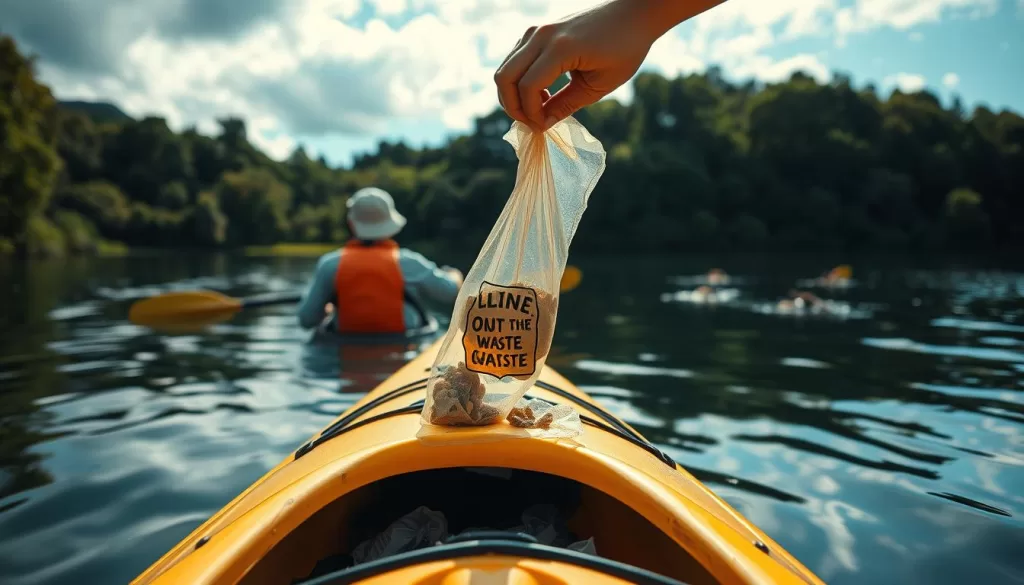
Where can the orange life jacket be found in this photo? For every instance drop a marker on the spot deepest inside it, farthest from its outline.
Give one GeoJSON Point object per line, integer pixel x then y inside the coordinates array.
{"type": "Point", "coordinates": [370, 289]}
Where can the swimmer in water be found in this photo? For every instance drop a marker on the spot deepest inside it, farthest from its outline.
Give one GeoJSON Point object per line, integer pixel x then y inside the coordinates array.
{"type": "Point", "coordinates": [717, 276]}
{"type": "Point", "coordinates": [800, 301]}
{"type": "Point", "coordinates": [703, 294]}
{"type": "Point", "coordinates": [837, 277]}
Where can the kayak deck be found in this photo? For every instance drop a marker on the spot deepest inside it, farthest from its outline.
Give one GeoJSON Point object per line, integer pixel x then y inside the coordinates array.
{"type": "Point", "coordinates": [373, 464]}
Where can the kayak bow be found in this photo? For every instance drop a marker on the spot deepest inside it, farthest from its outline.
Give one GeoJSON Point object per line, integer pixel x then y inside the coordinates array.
{"type": "Point", "coordinates": [650, 520]}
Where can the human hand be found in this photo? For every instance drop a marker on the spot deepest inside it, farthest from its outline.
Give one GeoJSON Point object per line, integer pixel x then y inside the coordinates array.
{"type": "Point", "coordinates": [601, 49]}
{"type": "Point", "coordinates": [329, 309]}
{"type": "Point", "coordinates": [454, 273]}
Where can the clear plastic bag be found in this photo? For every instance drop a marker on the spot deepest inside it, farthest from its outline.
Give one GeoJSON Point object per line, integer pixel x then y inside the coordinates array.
{"type": "Point", "coordinates": [504, 317]}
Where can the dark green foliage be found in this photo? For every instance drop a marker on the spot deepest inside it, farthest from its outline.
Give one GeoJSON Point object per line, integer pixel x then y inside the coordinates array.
{"type": "Point", "coordinates": [967, 223]}
{"type": "Point", "coordinates": [28, 157]}
{"type": "Point", "coordinates": [102, 203]}
{"type": "Point", "coordinates": [173, 196]}
{"type": "Point", "coordinates": [43, 238]}
{"type": "Point", "coordinates": [205, 224]}
{"type": "Point", "coordinates": [694, 163]}
{"type": "Point", "coordinates": [80, 234]}
{"type": "Point", "coordinates": [99, 112]}
{"type": "Point", "coordinates": [257, 205]}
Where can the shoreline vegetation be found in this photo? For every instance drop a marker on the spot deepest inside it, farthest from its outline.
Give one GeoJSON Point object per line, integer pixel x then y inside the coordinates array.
{"type": "Point", "coordinates": [695, 163]}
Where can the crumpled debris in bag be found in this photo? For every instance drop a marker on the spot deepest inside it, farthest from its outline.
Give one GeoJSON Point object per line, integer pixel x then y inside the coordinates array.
{"type": "Point", "coordinates": [459, 399]}
{"type": "Point", "coordinates": [524, 418]}
{"type": "Point", "coordinates": [418, 529]}
{"type": "Point", "coordinates": [556, 420]}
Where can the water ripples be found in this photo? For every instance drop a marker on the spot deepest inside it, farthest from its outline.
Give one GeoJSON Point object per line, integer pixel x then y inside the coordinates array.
{"type": "Point", "coordinates": [884, 446]}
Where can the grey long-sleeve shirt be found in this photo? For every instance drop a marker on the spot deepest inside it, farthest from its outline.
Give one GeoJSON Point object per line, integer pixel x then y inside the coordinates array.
{"type": "Point", "coordinates": [423, 279]}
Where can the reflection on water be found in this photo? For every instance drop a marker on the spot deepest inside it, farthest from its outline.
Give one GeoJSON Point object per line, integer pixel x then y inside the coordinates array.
{"type": "Point", "coordinates": [886, 446]}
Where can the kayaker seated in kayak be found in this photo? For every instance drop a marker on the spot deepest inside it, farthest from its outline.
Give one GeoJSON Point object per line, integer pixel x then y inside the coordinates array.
{"type": "Point", "coordinates": [371, 285]}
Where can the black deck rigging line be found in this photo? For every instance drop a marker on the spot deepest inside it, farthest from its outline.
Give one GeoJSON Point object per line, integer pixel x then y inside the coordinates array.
{"type": "Point", "coordinates": [505, 547]}
{"type": "Point", "coordinates": [340, 429]}
{"type": "Point", "coordinates": [639, 442]}
{"type": "Point", "coordinates": [614, 425]}
{"type": "Point", "coordinates": [413, 386]}
{"type": "Point", "coordinates": [617, 425]}
{"type": "Point", "coordinates": [412, 408]}
{"type": "Point", "coordinates": [593, 408]}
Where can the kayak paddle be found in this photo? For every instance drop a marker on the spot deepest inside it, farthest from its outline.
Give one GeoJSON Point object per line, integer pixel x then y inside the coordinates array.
{"type": "Point", "coordinates": [190, 310]}
{"type": "Point", "coordinates": [571, 278]}
{"type": "Point", "coordinates": [197, 308]}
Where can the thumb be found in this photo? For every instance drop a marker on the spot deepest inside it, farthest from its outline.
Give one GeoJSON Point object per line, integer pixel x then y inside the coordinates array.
{"type": "Point", "coordinates": [567, 101]}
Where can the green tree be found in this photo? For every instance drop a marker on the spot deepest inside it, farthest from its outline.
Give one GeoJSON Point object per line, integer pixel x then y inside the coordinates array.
{"type": "Point", "coordinates": [28, 156]}
{"type": "Point", "coordinates": [101, 203]}
{"type": "Point", "coordinates": [694, 162]}
{"type": "Point", "coordinates": [257, 204]}
{"type": "Point", "coordinates": [205, 224]}
{"type": "Point", "coordinates": [80, 235]}
{"type": "Point", "coordinates": [967, 224]}
{"type": "Point", "coordinates": [43, 238]}
{"type": "Point", "coordinates": [173, 196]}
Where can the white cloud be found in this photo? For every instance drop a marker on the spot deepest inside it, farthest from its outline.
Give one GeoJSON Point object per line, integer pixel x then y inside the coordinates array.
{"type": "Point", "coordinates": [903, 14]}
{"type": "Point", "coordinates": [795, 17]}
{"type": "Point", "coordinates": [771, 71]}
{"type": "Point", "coordinates": [390, 7]}
{"type": "Point", "coordinates": [951, 80]}
{"type": "Point", "coordinates": [905, 82]}
{"type": "Point", "coordinates": [296, 69]}
{"type": "Point", "coordinates": [743, 45]}
{"type": "Point", "coordinates": [672, 56]}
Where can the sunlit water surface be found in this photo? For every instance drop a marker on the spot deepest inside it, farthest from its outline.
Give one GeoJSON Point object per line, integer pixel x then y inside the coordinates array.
{"type": "Point", "coordinates": [880, 443]}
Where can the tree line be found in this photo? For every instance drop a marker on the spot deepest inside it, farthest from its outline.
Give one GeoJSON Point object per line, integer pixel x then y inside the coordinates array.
{"type": "Point", "coordinates": [694, 163]}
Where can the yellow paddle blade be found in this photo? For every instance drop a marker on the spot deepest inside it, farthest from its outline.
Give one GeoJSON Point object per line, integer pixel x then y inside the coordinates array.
{"type": "Point", "coordinates": [571, 278]}
{"type": "Point", "coordinates": [186, 310]}
{"type": "Point", "coordinates": [842, 271]}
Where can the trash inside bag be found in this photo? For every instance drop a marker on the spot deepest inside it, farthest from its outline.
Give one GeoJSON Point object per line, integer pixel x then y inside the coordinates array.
{"type": "Point", "coordinates": [418, 529]}
{"type": "Point", "coordinates": [546, 419]}
{"type": "Point", "coordinates": [504, 318]}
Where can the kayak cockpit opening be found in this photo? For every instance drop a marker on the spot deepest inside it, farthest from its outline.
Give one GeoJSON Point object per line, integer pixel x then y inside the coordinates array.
{"type": "Point", "coordinates": [414, 519]}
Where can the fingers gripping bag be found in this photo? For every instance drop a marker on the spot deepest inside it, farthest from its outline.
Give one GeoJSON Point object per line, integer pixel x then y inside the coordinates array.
{"type": "Point", "coordinates": [504, 316]}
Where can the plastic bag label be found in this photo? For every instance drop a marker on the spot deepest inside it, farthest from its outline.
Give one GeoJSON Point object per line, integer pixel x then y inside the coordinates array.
{"type": "Point", "coordinates": [501, 331]}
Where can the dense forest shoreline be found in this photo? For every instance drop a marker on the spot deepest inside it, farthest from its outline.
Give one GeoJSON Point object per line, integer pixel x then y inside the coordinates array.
{"type": "Point", "coordinates": [694, 163]}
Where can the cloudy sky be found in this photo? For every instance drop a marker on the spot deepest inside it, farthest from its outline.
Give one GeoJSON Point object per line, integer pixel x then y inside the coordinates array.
{"type": "Point", "coordinates": [339, 75]}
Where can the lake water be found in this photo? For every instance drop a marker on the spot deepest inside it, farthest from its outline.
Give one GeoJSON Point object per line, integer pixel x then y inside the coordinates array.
{"type": "Point", "coordinates": [880, 444]}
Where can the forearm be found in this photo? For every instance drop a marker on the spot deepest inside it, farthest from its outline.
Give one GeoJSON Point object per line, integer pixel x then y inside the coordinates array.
{"type": "Point", "coordinates": [659, 16]}
{"type": "Point", "coordinates": [310, 314]}
{"type": "Point", "coordinates": [311, 307]}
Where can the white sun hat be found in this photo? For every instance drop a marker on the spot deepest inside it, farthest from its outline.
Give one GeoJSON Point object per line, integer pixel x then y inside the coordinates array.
{"type": "Point", "coordinates": [372, 214]}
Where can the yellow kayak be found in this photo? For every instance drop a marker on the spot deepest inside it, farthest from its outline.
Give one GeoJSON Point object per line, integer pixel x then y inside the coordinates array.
{"type": "Point", "coordinates": [647, 520]}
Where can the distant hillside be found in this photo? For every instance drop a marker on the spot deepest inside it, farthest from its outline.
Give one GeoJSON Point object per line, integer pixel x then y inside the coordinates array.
{"type": "Point", "coordinates": [98, 111]}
